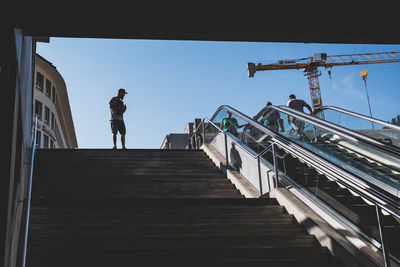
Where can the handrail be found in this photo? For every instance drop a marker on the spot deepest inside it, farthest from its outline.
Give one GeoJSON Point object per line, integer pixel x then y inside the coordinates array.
{"type": "Point", "coordinates": [354, 183]}
{"type": "Point", "coordinates": [28, 206]}
{"type": "Point", "coordinates": [332, 127]}
{"type": "Point", "coordinates": [358, 115]}
{"type": "Point", "coordinates": [292, 113]}
{"type": "Point", "coordinates": [382, 201]}
{"type": "Point", "coordinates": [341, 131]}
{"type": "Point", "coordinates": [234, 141]}
{"type": "Point", "coordinates": [337, 129]}
{"type": "Point", "coordinates": [258, 156]}
{"type": "Point", "coordinates": [245, 148]}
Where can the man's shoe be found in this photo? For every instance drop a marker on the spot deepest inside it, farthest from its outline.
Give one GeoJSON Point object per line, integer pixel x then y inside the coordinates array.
{"type": "Point", "coordinates": [114, 147]}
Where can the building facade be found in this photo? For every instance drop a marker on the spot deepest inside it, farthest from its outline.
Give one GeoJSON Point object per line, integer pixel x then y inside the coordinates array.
{"type": "Point", "coordinates": [55, 127]}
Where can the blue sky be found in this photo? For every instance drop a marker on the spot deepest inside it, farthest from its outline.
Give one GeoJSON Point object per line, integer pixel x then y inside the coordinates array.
{"type": "Point", "coordinates": [170, 83]}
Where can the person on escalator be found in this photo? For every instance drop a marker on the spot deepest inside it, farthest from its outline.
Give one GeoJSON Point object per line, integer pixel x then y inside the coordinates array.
{"type": "Point", "coordinates": [230, 124]}
{"type": "Point", "coordinates": [299, 105]}
{"type": "Point", "coordinates": [272, 119]}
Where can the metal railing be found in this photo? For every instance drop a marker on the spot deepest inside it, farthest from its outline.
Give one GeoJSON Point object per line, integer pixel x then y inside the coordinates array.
{"type": "Point", "coordinates": [28, 199]}
{"type": "Point", "coordinates": [341, 131]}
{"type": "Point", "coordinates": [381, 200]}
{"type": "Point", "coordinates": [196, 140]}
{"type": "Point", "coordinates": [255, 156]}
{"type": "Point", "coordinates": [358, 115]}
{"type": "Point", "coordinates": [337, 129]}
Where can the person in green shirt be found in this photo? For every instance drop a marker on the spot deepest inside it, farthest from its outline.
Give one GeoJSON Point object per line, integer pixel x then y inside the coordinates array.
{"type": "Point", "coordinates": [230, 124]}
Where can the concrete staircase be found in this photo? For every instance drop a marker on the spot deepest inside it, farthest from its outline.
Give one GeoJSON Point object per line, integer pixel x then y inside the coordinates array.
{"type": "Point", "coordinates": [103, 207]}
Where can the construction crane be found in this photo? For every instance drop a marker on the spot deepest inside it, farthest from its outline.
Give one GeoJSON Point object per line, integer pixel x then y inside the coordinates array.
{"type": "Point", "coordinates": [311, 64]}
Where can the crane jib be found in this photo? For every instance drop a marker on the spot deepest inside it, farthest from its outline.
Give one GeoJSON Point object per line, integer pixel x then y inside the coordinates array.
{"type": "Point", "coordinates": [311, 64]}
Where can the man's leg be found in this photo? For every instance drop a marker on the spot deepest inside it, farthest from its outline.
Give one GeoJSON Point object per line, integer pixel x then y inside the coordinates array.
{"type": "Point", "coordinates": [122, 131]}
{"type": "Point", "coordinates": [123, 141]}
{"type": "Point", "coordinates": [114, 133]}
{"type": "Point", "coordinates": [114, 138]}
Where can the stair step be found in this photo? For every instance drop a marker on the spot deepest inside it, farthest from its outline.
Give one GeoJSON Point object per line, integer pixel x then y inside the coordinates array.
{"type": "Point", "coordinates": [138, 172]}
{"type": "Point", "coordinates": [98, 186]}
{"type": "Point", "coordinates": [162, 209]}
{"type": "Point", "coordinates": [129, 162]}
{"type": "Point", "coordinates": [143, 195]}
{"type": "Point", "coordinates": [125, 156]}
{"type": "Point", "coordinates": [350, 200]}
{"type": "Point", "coordinates": [77, 232]}
{"type": "Point", "coordinates": [165, 229]}
{"type": "Point", "coordinates": [299, 256]}
{"type": "Point", "coordinates": [297, 253]}
{"type": "Point", "coordinates": [218, 202]}
{"type": "Point", "coordinates": [156, 220]}
{"type": "Point", "coordinates": [129, 177]}
{"type": "Point", "coordinates": [96, 204]}
{"type": "Point", "coordinates": [89, 151]}
{"type": "Point", "coordinates": [122, 241]}
{"type": "Point", "coordinates": [131, 180]}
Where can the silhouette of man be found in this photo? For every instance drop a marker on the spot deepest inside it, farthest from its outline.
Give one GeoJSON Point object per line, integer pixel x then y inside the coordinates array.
{"type": "Point", "coordinates": [117, 110]}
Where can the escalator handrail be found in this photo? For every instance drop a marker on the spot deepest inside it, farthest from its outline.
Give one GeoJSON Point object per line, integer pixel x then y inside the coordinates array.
{"type": "Point", "coordinates": [352, 182]}
{"type": "Point", "coordinates": [358, 115]}
{"type": "Point", "coordinates": [337, 129]}
{"type": "Point", "coordinates": [341, 131]}
{"type": "Point", "coordinates": [250, 152]}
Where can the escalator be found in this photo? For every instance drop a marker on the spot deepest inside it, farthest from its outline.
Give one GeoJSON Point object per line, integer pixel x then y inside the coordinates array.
{"type": "Point", "coordinates": [348, 171]}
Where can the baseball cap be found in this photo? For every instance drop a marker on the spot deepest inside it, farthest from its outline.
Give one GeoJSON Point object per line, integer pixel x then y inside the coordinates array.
{"type": "Point", "coordinates": [122, 90]}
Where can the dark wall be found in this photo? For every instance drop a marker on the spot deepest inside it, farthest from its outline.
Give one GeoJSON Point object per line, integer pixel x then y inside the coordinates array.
{"type": "Point", "coordinates": [17, 65]}
{"type": "Point", "coordinates": [8, 71]}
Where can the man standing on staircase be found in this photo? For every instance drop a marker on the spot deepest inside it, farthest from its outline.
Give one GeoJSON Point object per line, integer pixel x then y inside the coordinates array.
{"type": "Point", "coordinates": [117, 110]}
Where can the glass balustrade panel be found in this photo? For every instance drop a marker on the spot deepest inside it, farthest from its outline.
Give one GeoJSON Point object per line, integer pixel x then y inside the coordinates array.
{"type": "Point", "coordinates": [374, 130]}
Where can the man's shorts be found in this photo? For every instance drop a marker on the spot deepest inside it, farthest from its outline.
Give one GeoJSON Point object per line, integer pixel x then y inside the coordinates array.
{"type": "Point", "coordinates": [118, 126]}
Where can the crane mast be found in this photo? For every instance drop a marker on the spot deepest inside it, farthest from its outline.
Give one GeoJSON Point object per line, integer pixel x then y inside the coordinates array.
{"type": "Point", "coordinates": [310, 66]}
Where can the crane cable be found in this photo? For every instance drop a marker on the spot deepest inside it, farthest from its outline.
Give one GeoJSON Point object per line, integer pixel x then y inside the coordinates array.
{"type": "Point", "coordinates": [363, 74]}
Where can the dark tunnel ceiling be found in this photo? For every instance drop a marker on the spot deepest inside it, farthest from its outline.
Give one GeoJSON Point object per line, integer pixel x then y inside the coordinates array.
{"type": "Point", "coordinates": [209, 24]}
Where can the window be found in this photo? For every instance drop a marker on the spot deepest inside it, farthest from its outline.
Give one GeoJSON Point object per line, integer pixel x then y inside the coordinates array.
{"type": "Point", "coordinates": [38, 138]}
{"type": "Point", "coordinates": [52, 121]}
{"type": "Point", "coordinates": [51, 144]}
{"type": "Point", "coordinates": [38, 108]}
{"type": "Point", "coordinates": [46, 115]}
{"type": "Point", "coordinates": [45, 141]}
{"type": "Point", "coordinates": [55, 99]}
{"type": "Point", "coordinates": [53, 94]}
{"type": "Point", "coordinates": [48, 88]}
{"type": "Point", "coordinates": [39, 81]}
